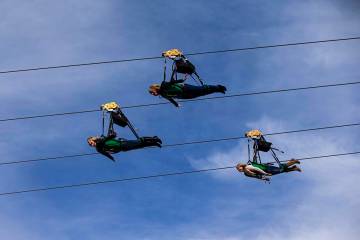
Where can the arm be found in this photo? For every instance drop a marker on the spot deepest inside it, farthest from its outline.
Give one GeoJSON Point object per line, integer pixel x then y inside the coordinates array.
{"type": "Point", "coordinates": [173, 101]}
{"type": "Point", "coordinates": [249, 172]}
{"type": "Point", "coordinates": [255, 170]}
{"type": "Point", "coordinates": [106, 154]}
{"type": "Point", "coordinates": [99, 148]}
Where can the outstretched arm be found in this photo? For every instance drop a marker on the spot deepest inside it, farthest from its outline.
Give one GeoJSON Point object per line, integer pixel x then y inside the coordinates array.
{"type": "Point", "coordinates": [255, 170]}
{"type": "Point", "coordinates": [107, 155]}
{"type": "Point", "coordinates": [99, 147]}
{"type": "Point", "coordinates": [173, 101]}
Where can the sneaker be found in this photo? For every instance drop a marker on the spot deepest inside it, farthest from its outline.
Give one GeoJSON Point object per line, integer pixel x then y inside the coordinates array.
{"type": "Point", "coordinates": [157, 139]}
{"type": "Point", "coordinates": [222, 89]}
{"type": "Point", "coordinates": [295, 161]}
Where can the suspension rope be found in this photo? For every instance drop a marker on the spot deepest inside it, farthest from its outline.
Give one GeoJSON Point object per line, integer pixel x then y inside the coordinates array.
{"type": "Point", "coordinates": [42, 189]}
{"type": "Point", "coordinates": [189, 100]}
{"type": "Point", "coordinates": [182, 144]}
{"type": "Point", "coordinates": [189, 54]}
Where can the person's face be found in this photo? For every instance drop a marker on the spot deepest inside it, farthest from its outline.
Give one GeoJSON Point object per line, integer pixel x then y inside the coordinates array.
{"type": "Point", "coordinates": [154, 91]}
{"type": "Point", "coordinates": [240, 168]}
{"type": "Point", "coordinates": [91, 142]}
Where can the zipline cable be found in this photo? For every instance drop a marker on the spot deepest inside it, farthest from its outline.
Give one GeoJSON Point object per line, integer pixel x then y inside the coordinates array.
{"type": "Point", "coordinates": [184, 101]}
{"type": "Point", "coordinates": [151, 176]}
{"type": "Point", "coordinates": [188, 54]}
{"type": "Point", "coordinates": [183, 144]}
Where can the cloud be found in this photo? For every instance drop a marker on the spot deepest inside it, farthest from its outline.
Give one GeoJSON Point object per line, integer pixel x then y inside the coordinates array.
{"type": "Point", "coordinates": [329, 193]}
{"type": "Point", "coordinates": [321, 202]}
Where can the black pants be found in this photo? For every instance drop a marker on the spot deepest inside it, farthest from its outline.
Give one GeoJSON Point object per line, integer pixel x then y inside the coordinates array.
{"type": "Point", "coordinates": [127, 145]}
{"type": "Point", "coordinates": [191, 91]}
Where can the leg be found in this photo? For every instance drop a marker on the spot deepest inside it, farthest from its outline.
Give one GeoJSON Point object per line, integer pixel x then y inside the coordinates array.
{"type": "Point", "coordinates": [191, 91]}
{"type": "Point", "coordinates": [127, 145]}
{"type": "Point", "coordinates": [292, 162]}
{"type": "Point", "coordinates": [273, 170]}
{"type": "Point", "coordinates": [292, 168]}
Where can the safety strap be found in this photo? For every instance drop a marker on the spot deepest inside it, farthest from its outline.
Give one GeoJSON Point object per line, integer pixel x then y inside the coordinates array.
{"type": "Point", "coordinates": [276, 149]}
{"type": "Point", "coordinates": [275, 157]}
{"type": "Point", "coordinates": [256, 156]}
{"type": "Point", "coordinates": [197, 82]}
{"type": "Point", "coordinates": [103, 123]}
{"type": "Point", "coordinates": [199, 78]}
{"type": "Point", "coordinates": [133, 130]}
{"type": "Point", "coordinates": [129, 124]}
{"type": "Point", "coordinates": [164, 69]}
{"type": "Point", "coordinates": [174, 73]}
{"type": "Point", "coordinates": [111, 127]}
{"type": "Point", "coordinates": [249, 160]}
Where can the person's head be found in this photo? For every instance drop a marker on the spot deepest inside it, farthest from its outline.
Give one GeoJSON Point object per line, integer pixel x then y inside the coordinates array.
{"type": "Point", "coordinates": [241, 167]}
{"type": "Point", "coordinates": [92, 141]}
{"type": "Point", "coordinates": [154, 89]}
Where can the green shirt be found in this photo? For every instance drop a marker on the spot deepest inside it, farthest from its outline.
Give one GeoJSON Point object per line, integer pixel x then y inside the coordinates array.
{"type": "Point", "coordinates": [171, 89]}
{"type": "Point", "coordinates": [260, 166]}
{"type": "Point", "coordinates": [112, 145]}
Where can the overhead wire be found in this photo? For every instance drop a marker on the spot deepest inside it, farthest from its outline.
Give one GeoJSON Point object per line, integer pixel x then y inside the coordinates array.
{"type": "Point", "coordinates": [162, 103]}
{"type": "Point", "coordinates": [151, 176]}
{"type": "Point", "coordinates": [188, 54]}
{"type": "Point", "coordinates": [185, 101]}
{"type": "Point", "coordinates": [183, 143]}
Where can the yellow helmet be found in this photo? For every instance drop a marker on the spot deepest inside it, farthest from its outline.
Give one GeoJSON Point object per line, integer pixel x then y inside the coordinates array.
{"type": "Point", "coordinates": [172, 53]}
{"type": "Point", "coordinates": [255, 134]}
{"type": "Point", "coordinates": [110, 106]}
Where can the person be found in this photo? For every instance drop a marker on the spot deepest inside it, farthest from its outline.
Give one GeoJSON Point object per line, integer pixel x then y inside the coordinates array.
{"type": "Point", "coordinates": [110, 144]}
{"type": "Point", "coordinates": [260, 171]}
{"type": "Point", "coordinates": [178, 89]}
{"type": "Point", "coordinates": [251, 171]}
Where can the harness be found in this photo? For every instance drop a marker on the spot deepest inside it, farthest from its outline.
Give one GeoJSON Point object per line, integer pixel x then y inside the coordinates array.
{"type": "Point", "coordinates": [115, 116]}
{"type": "Point", "coordinates": [260, 145]}
{"type": "Point", "coordinates": [180, 65]}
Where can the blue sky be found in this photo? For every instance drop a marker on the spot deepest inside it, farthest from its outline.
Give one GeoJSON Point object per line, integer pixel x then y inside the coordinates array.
{"type": "Point", "coordinates": [320, 203]}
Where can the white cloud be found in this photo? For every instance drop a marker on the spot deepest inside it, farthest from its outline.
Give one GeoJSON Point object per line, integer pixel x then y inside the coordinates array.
{"type": "Point", "coordinates": [325, 196]}
{"type": "Point", "coordinates": [330, 196]}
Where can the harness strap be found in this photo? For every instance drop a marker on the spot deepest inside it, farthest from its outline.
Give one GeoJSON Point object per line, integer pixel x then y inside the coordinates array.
{"type": "Point", "coordinates": [174, 73]}
{"type": "Point", "coordinates": [276, 158]}
{"type": "Point", "coordinates": [111, 126]}
{"type": "Point", "coordinates": [197, 81]}
{"type": "Point", "coordinates": [256, 156]}
{"type": "Point", "coordinates": [103, 123]}
{"type": "Point", "coordinates": [129, 125]}
{"type": "Point", "coordinates": [164, 69]}
{"type": "Point", "coordinates": [199, 78]}
{"type": "Point", "coordinates": [248, 147]}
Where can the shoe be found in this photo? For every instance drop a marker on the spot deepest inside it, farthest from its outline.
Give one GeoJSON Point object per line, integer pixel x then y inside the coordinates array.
{"type": "Point", "coordinates": [222, 89]}
{"type": "Point", "coordinates": [157, 139]}
{"type": "Point", "coordinates": [295, 161]}
{"type": "Point", "coordinates": [151, 141]}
